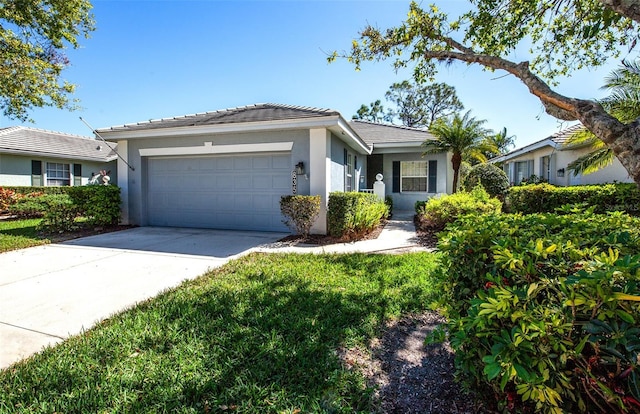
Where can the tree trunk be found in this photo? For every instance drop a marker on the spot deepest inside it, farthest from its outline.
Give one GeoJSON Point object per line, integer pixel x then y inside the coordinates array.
{"type": "Point", "coordinates": [456, 160]}
{"type": "Point", "coordinates": [623, 139]}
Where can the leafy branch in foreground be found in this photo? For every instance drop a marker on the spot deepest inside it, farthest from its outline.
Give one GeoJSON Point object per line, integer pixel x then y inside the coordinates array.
{"type": "Point", "coordinates": [566, 35]}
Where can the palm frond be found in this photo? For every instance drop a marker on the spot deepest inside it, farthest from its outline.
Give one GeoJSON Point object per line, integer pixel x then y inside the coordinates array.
{"type": "Point", "coordinates": [592, 161]}
{"type": "Point", "coordinates": [581, 137]}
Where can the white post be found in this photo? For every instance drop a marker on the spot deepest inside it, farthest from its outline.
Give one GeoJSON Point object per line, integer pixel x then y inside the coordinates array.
{"type": "Point", "coordinates": [379, 187]}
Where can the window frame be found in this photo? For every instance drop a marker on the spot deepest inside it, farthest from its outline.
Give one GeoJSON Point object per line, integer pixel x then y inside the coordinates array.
{"type": "Point", "coordinates": [58, 179]}
{"type": "Point", "coordinates": [424, 179]}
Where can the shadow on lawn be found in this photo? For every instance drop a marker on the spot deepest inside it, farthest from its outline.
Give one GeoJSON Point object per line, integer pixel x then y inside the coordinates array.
{"type": "Point", "coordinates": [258, 336]}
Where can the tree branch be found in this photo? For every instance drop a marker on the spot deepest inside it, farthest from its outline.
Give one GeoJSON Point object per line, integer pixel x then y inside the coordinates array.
{"type": "Point", "coordinates": [627, 8]}
{"type": "Point", "coordinates": [590, 113]}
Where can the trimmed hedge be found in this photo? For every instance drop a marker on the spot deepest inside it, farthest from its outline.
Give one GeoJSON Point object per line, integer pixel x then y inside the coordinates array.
{"type": "Point", "coordinates": [544, 309]}
{"type": "Point", "coordinates": [353, 214]}
{"type": "Point", "coordinates": [546, 198]}
{"type": "Point", "coordinates": [435, 213]}
{"type": "Point", "coordinates": [300, 212]}
{"type": "Point", "coordinates": [99, 204]}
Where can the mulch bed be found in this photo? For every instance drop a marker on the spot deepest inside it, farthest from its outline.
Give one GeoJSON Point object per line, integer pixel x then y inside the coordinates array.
{"type": "Point", "coordinates": [409, 376]}
{"type": "Point", "coordinates": [323, 240]}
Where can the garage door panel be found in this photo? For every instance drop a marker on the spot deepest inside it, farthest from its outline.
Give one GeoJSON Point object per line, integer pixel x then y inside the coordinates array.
{"type": "Point", "coordinates": [242, 182]}
{"type": "Point", "coordinates": [281, 162]}
{"type": "Point", "coordinates": [262, 163]}
{"type": "Point", "coordinates": [231, 192]}
{"type": "Point", "coordinates": [224, 163]}
{"type": "Point", "coordinates": [242, 163]}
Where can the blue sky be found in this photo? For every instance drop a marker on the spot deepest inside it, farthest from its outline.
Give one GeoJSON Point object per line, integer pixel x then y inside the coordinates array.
{"type": "Point", "coordinates": [155, 59]}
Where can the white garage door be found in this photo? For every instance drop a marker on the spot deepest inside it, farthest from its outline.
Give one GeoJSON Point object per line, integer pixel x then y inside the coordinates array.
{"type": "Point", "coordinates": [222, 192]}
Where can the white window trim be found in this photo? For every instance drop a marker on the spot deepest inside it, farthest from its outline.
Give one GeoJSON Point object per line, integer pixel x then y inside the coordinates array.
{"type": "Point", "coordinates": [46, 178]}
{"type": "Point", "coordinates": [426, 177]}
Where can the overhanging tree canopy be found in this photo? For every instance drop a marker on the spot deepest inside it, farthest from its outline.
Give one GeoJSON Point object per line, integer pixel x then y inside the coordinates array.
{"type": "Point", "coordinates": [33, 36]}
{"type": "Point", "coordinates": [565, 35]}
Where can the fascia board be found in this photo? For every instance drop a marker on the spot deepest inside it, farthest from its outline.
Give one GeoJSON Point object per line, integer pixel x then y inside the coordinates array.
{"type": "Point", "coordinates": [304, 123]}
{"type": "Point", "coordinates": [345, 131]}
{"type": "Point", "coordinates": [524, 150]}
{"type": "Point", "coordinates": [53, 155]}
{"type": "Point", "coordinates": [398, 144]}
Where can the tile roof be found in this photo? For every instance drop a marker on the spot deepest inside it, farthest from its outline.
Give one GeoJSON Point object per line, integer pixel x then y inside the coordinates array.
{"type": "Point", "coordinates": [375, 133]}
{"type": "Point", "coordinates": [250, 113]}
{"type": "Point", "coordinates": [556, 140]}
{"type": "Point", "coordinates": [42, 143]}
{"type": "Point", "coordinates": [561, 137]}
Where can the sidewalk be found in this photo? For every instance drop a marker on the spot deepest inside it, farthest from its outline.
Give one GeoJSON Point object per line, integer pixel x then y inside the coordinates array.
{"type": "Point", "coordinates": [398, 236]}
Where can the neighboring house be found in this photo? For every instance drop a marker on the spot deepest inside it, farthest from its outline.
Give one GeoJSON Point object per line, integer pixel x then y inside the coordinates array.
{"type": "Point", "coordinates": [549, 158]}
{"type": "Point", "coordinates": [228, 169]}
{"type": "Point", "coordinates": [35, 157]}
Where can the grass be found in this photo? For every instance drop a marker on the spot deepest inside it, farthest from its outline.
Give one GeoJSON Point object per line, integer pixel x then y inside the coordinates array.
{"type": "Point", "coordinates": [18, 234]}
{"type": "Point", "coordinates": [257, 335]}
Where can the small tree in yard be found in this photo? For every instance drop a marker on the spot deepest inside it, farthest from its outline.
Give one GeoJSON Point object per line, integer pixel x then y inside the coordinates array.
{"type": "Point", "coordinates": [300, 212]}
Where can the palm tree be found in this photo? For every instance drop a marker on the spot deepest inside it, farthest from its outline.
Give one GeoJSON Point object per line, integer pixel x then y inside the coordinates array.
{"type": "Point", "coordinates": [623, 103]}
{"type": "Point", "coordinates": [502, 143]}
{"type": "Point", "coordinates": [464, 136]}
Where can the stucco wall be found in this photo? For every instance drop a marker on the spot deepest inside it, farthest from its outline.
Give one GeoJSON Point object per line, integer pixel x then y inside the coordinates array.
{"type": "Point", "coordinates": [338, 167]}
{"type": "Point", "coordinates": [137, 185]}
{"type": "Point", "coordinates": [560, 159]}
{"type": "Point", "coordinates": [407, 200]}
{"type": "Point", "coordinates": [15, 170]}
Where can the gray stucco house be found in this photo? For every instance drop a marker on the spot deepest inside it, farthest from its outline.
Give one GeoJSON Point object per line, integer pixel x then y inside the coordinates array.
{"type": "Point", "coordinates": [228, 169]}
{"type": "Point", "coordinates": [35, 157]}
{"type": "Point", "coordinates": [550, 157]}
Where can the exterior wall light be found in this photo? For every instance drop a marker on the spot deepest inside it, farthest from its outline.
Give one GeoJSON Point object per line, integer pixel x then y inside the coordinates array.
{"type": "Point", "coordinates": [300, 168]}
{"type": "Point", "coordinates": [560, 172]}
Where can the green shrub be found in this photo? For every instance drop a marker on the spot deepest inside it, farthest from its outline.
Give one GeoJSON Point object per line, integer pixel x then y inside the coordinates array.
{"type": "Point", "coordinates": [300, 212]}
{"type": "Point", "coordinates": [99, 204]}
{"type": "Point", "coordinates": [352, 214]}
{"type": "Point", "coordinates": [546, 198]}
{"type": "Point", "coordinates": [388, 200]}
{"type": "Point", "coordinates": [545, 309]}
{"type": "Point", "coordinates": [438, 211]}
{"type": "Point", "coordinates": [24, 190]}
{"type": "Point", "coordinates": [419, 206]}
{"type": "Point", "coordinates": [490, 177]}
{"type": "Point", "coordinates": [30, 206]}
{"type": "Point", "coordinates": [60, 214]}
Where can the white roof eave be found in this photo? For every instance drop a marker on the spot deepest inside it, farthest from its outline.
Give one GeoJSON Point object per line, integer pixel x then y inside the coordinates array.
{"type": "Point", "coordinates": [315, 122]}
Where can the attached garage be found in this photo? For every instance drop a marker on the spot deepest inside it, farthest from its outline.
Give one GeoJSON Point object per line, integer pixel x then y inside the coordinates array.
{"type": "Point", "coordinates": [237, 192]}
{"type": "Point", "coordinates": [228, 169]}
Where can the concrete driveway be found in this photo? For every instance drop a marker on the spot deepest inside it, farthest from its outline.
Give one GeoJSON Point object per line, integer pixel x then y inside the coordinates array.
{"type": "Point", "coordinates": [49, 293]}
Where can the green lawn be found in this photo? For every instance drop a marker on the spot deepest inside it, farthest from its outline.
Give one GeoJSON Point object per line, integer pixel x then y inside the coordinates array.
{"type": "Point", "coordinates": [257, 335]}
{"type": "Point", "coordinates": [18, 234]}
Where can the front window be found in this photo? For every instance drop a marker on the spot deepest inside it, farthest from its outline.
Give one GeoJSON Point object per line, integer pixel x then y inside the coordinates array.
{"type": "Point", "coordinates": [522, 171]}
{"type": "Point", "coordinates": [58, 174]}
{"type": "Point", "coordinates": [350, 178]}
{"type": "Point", "coordinates": [413, 176]}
